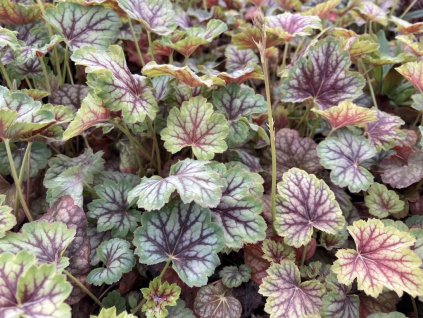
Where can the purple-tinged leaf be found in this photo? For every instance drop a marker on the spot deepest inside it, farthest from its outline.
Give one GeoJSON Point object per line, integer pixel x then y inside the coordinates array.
{"type": "Point", "coordinates": [385, 131]}
{"type": "Point", "coordinates": [184, 234]}
{"type": "Point", "coordinates": [14, 12]}
{"type": "Point", "coordinates": [69, 95]}
{"type": "Point", "coordinates": [216, 301]}
{"type": "Point", "coordinates": [237, 59]}
{"type": "Point", "coordinates": [276, 252]}
{"type": "Point", "coordinates": [287, 296]}
{"type": "Point", "coordinates": [323, 75]}
{"type": "Point", "coordinates": [292, 151]}
{"type": "Point", "coordinates": [81, 26]}
{"type": "Point", "coordinates": [158, 296]}
{"type": "Point", "coordinates": [288, 25]}
{"type": "Point", "coordinates": [344, 155]}
{"type": "Point", "coordinates": [247, 158]}
{"type": "Point", "coordinates": [234, 276]}
{"type": "Point", "coordinates": [113, 82]}
{"type": "Point", "coordinates": [306, 202]}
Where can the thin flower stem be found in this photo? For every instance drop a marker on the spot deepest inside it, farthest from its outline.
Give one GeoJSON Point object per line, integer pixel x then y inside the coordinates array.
{"type": "Point", "coordinates": [25, 161]}
{"type": "Point", "coordinates": [43, 66]}
{"type": "Point", "coordinates": [16, 180]}
{"type": "Point", "coordinates": [6, 76]}
{"type": "Point", "coordinates": [137, 46]}
{"type": "Point", "coordinates": [83, 288]}
{"type": "Point", "coordinates": [150, 46]}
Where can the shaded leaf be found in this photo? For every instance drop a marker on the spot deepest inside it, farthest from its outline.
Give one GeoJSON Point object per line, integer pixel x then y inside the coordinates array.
{"type": "Point", "coordinates": [337, 303]}
{"type": "Point", "coordinates": [234, 276]}
{"type": "Point", "coordinates": [306, 203]}
{"type": "Point", "coordinates": [184, 234]}
{"type": "Point", "coordinates": [344, 155]}
{"type": "Point", "coordinates": [180, 311]}
{"type": "Point", "coordinates": [69, 95]}
{"type": "Point", "coordinates": [158, 296]}
{"type": "Point", "coordinates": [117, 258]}
{"type": "Point", "coordinates": [254, 258]}
{"type": "Point", "coordinates": [30, 289]}
{"type": "Point", "coordinates": [400, 173]}
{"type": "Point", "coordinates": [7, 218]}
{"type": "Point", "coordinates": [196, 125]}
{"type": "Point", "coordinates": [276, 252]}
{"type": "Point", "coordinates": [288, 25]}
{"type": "Point", "coordinates": [111, 313]}
{"type": "Point", "coordinates": [287, 296]}
{"type": "Point", "coordinates": [383, 202]}
{"type": "Point", "coordinates": [382, 259]}
{"type": "Point", "coordinates": [323, 75]}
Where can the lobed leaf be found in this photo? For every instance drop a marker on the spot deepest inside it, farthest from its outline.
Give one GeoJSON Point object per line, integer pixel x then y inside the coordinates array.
{"type": "Point", "coordinates": [158, 296]}
{"type": "Point", "coordinates": [385, 131]}
{"type": "Point", "coordinates": [7, 218]}
{"type": "Point", "coordinates": [383, 202]}
{"type": "Point", "coordinates": [234, 276]}
{"type": "Point", "coordinates": [290, 25]}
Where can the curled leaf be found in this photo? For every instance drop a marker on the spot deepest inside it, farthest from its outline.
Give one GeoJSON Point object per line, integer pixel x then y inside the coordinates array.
{"type": "Point", "coordinates": [288, 25]}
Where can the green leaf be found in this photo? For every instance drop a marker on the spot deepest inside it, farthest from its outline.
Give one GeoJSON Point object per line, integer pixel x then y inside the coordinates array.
{"type": "Point", "coordinates": [276, 252]}
{"type": "Point", "coordinates": [234, 276]}
{"type": "Point", "coordinates": [383, 202]}
{"type": "Point", "coordinates": [184, 234]}
{"type": "Point", "coordinates": [180, 311]}
{"type": "Point", "coordinates": [344, 154]}
{"type": "Point", "coordinates": [117, 258]}
{"type": "Point", "coordinates": [93, 26]}
{"type": "Point", "coordinates": [46, 241]}
{"type": "Point", "coordinates": [111, 80]}
{"type": "Point", "coordinates": [287, 295]}
{"type": "Point", "coordinates": [111, 313]}
{"type": "Point", "coordinates": [193, 180]}
{"type": "Point", "coordinates": [31, 290]}
{"type": "Point", "coordinates": [7, 218]}
{"type": "Point", "coordinates": [158, 296]}
{"type": "Point", "coordinates": [216, 301]}
{"type": "Point", "coordinates": [112, 210]}
{"type": "Point", "coordinates": [114, 299]}
{"type": "Point", "coordinates": [196, 125]}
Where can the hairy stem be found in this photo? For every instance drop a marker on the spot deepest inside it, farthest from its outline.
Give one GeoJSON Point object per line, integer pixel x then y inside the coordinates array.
{"type": "Point", "coordinates": [83, 288]}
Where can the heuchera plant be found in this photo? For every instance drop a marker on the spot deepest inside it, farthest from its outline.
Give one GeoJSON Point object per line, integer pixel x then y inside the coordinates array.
{"type": "Point", "coordinates": [211, 159]}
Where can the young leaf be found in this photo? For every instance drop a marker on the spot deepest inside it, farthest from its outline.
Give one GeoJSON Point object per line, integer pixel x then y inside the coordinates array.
{"type": "Point", "coordinates": [344, 155]}
{"type": "Point", "coordinates": [234, 276]}
{"type": "Point", "coordinates": [292, 151]}
{"type": "Point", "coordinates": [196, 125]}
{"type": "Point", "coordinates": [238, 212]}
{"type": "Point", "coordinates": [7, 218]}
{"type": "Point", "coordinates": [112, 210]}
{"type": "Point", "coordinates": [401, 173]}
{"type": "Point", "coordinates": [194, 181]}
{"type": "Point", "coordinates": [323, 75]}
{"type": "Point", "coordinates": [46, 241]}
{"type": "Point", "coordinates": [111, 313]}
{"type": "Point", "coordinates": [216, 301]}
{"type": "Point", "coordinates": [156, 16]}
{"type": "Point", "coordinates": [276, 252]}
{"type": "Point", "coordinates": [287, 296]}
{"type": "Point", "coordinates": [183, 234]}
{"type": "Point", "coordinates": [158, 296]}
{"type": "Point", "coordinates": [413, 72]}
{"type": "Point", "coordinates": [347, 114]}
{"type": "Point", "coordinates": [30, 289]}
{"type": "Point", "coordinates": [382, 259]}
{"type": "Point", "coordinates": [385, 131]}
{"type": "Point", "coordinates": [91, 113]}
{"type": "Point", "coordinates": [117, 258]}
{"type": "Point", "coordinates": [112, 81]}
{"type": "Point", "coordinates": [306, 203]}
{"type": "Point", "coordinates": [383, 202]}
{"type": "Point", "coordinates": [93, 26]}
{"type": "Point", "coordinates": [288, 26]}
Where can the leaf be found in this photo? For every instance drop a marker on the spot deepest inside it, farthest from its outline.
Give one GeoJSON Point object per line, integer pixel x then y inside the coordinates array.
{"type": "Point", "coordinates": [117, 258]}
{"type": "Point", "coordinates": [81, 26]}
{"type": "Point", "coordinates": [385, 131]}
{"type": "Point", "coordinates": [323, 75]}
{"type": "Point", "coordinates": [239, 59]}
{"type": "Point", "coordinates": [112, 210]}
{"type": "Point", "coordinates": [156, 16]}
{"type": "Point", "coordinates": [383, 202]}
{"type": "Point", "coordinates": [287, 296]}
{"type": "Point", "coordinates": [238, 212]}
{"type": "Point", "coordinates": [347, 114]}
{"type": "Point", "coordinates": [344, 154]}
{"type": "Point", "coordinates": [183, 234]}
{"type": "Point", "coordinates": [305, 203]}
{"type": "Point", "coordinates": [337, 303]}
{"type": "Point", "coordinates": [382, 259]}
{"type": "Point", "coordinates": [292, 151]}
{"type": "Point", "coordinates": [111, 313]}
{"type": "Point", "coordinates": [234, 276]}
{"type": "Point", "coordinates": [18, 12]}
{"type": "Point", "coordinates": [216, 301]}
{"type": "Point", "coordinates": [401, 173]}
{"type": "Point", "coordinates": [158, 296]}
{"type": "Point", "coordinates": [183, 74]}
{"type": "Point", "coordinates": [115, 85]}
{"type": "Point", "coordinates": [193, 180]}
{"type": "Point", "coordinates": [288, 25]}
{"type": "Point", "coordinates": [372, 12]}
{"type": "Point", "coordinates": [255, 259]}
{"type": "Point", "coordinates": [248, 37]}
{"type": "Point", "coordinates": [323, 9]}
{"type": "Point", "coordinates": [46, 241]}
{"type": "Point", "coordinates": [395, 314]}
{"type": "Point", "coordinates": [413, 72]}
{"type": "Point", "coordinates": [30, 289]}
{"type": "Point", "coordinates": [276, 252]}
{"type": "Point", "coordinates": [196, 125]}
{"type": "Point", "coordinates": [69, 95]}
{"type": "Point", "coordinates": [91, 113]}
{"type": "Point", "coordinates": [7, 218]}
{"type": "Point", "coordinates": [180, 311]}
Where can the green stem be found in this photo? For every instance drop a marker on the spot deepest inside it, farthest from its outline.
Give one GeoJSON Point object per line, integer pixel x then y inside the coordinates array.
{"type": "Point", "coordinates": [132, 140]}
{"type": "Point", "coordinates": [83, 288]}
{"type": "Point", "coordinates": [25, 160]}
{"type": "Point", "coordinates": [139, 306]}
{"type": "Point", "coordinates": [408, 8]}
{"type": "Point", "coordinates": [285, 54]}
{"type": "Point", "coordinates": [137, 46]}
{"type": "Point", "coordinates": [6, 76]}
{"type": "Point", "coordinates": [16, 180]}
{"type": "Point", "coordinates": [369, 84]}
{"type": "Point", "coordinates": [165, 268]}
{"type": "Point", "coordinates": [28, 82]}
{"type": "Point", "coordinates": [304, 255]}
{"type": "Point", "coordinates": [413, 303]}
{"type": "Point", "coordinates": [150, 46]}
{"type": "Point", "coordinates": [43, 66]}
{"type": "Point", "coordinates": [156, 146]}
